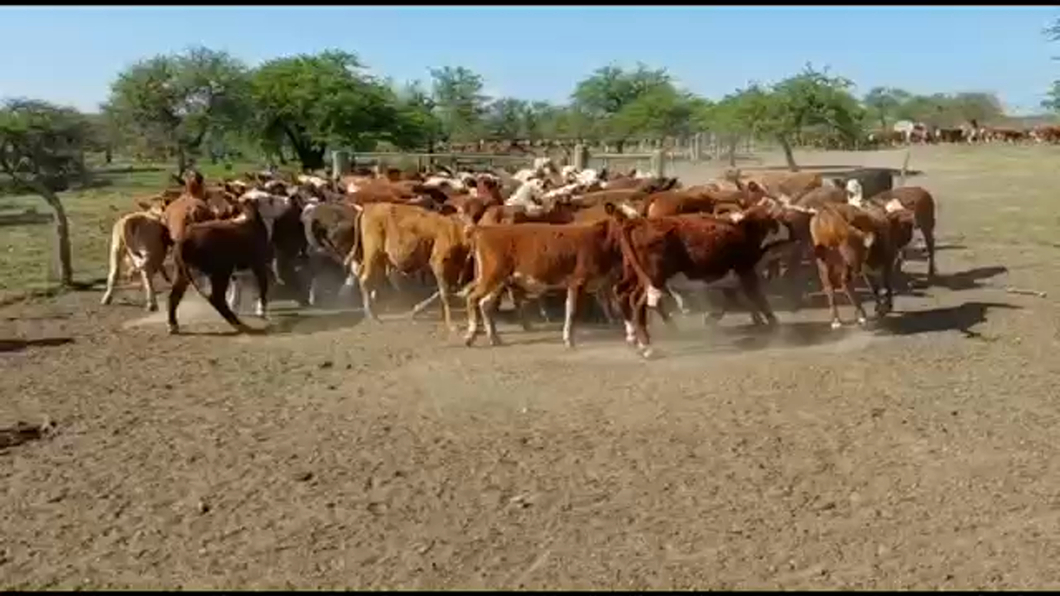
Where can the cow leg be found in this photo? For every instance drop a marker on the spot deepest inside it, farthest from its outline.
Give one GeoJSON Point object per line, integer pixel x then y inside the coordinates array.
{"type": "Point", "coordinates": [443, 295]}
{"type": "Point", "coordinates": [520, 304]}
{"type": "Point", "coordinates": [424, 304]}
{"type": "Point", "coordinates": [828, 282]}
{"type": "Point", "coordinates": [752, 288]}
{"type": "Point", "coordinates": [261, 276]}
{"type": "Point", "coordinates": [847, 280]}
{"type": "Point", "coordinates": [605, 298]}
{"type": "Point", "coordinates": [288, 274]}
{"type": "Point", "coordinates": [147, 278]}
{"type": "Point", "coordinates": [678, 299]}
{"type": "Point", "coordinates": [365, 279]}
{"type": "Point", "coordinates": [488, 307]}
{"type": "Point", "coordinates": [218, 289]}
{"type": "Point", "coordinates": [234, 294]}
{"type": "Point", "coordinates": [929, 244]}
{"type": "Point", "coordinates": [176, 294]}
{"type": "Point", "coordinates": [570, 310]}
{"type": "Point", "coordinates": [640, 322]}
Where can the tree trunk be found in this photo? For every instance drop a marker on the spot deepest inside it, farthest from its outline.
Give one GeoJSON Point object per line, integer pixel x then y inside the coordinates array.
{"type": "Point", "coordinates": [619, 145]}
{"type": "Point", "coordinates": [62, 234]}
{"type": "Point", "coordinates": [108, 155]}
{"type": "Point", "coordinates": [789, 156]}
{"type": "Point", "coordinates": [182, 161]}
{"type": "Point", "coordinates": [733, 141]}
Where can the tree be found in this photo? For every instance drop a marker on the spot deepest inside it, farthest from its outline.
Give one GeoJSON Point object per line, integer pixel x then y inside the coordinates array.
{"type": "Point", "coordinates": [506, 119]}
{"type": "Point", "coordinates": [320, 100]}
{"type": "Point", "coordinates": [884, 102]}
{"type": "Point", "coordinates": [178, 100]}
{"type": "Point", "coordinates": [417, 125]}
{"type": "Point", "coordinates": [810, 98]}
{"type": "Point", "coordinates": [609, 90]}
{"type": "Point", "coordinates": [40, 151]}
{"type": "Point", "coordinates": [459, 103]}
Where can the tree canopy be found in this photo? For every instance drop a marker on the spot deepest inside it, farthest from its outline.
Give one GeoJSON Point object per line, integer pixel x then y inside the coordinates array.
{"type": "Point", "coordinates": [201, 101]}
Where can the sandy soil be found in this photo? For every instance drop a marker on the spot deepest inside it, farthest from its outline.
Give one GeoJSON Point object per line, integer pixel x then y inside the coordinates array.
{"type": "Point", "coordinates": [331, 453]}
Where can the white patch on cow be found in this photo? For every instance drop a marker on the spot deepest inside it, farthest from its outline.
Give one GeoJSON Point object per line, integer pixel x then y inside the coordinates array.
{"type": "Point", "coordinates": [736, 216]}
{"type": "Point", "coordinates": [568, 172]}
{"type": "Point", "coordinates": [893, 206]}
{"type": "Point", "coordinates": [524, 175]}
{"type": "Point", "coordinates": [654, 294]}
{"type": "Point", "coordinates": [541, 163]}
{"type": "Point", "coordinates": [352, 187]}
{"type": "Point", "coordinates": [587, 177]}
{"type": "Point", "coordinates": [642, 175]}
{"type": "Point", "coordinates": [527, 195]}
{"type": "Point", "coordinates": [314, 181]}
{"type": "Point", "coordinates": [784, 199]}
{"type": "Point", "coordinates": [854, 192]}
{"type": "Point", "coordinates": [631, 333]}
{"type": "Point", "coordinates": [869, 239]}
{"type": "Point", "coordinates": [628, 210]}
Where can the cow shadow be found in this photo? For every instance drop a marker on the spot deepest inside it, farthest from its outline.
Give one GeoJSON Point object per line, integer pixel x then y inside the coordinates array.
{"type": "Point", "coordinates": [753, 338]}
{"type": "Point", "coordinates": [949, 318]}
{"type": "Point", "coordinates": [17, 345]}
{"type": "Point", "coordinates": [965, 280]}
{"type": "Point", "coordinates": [309, 322]}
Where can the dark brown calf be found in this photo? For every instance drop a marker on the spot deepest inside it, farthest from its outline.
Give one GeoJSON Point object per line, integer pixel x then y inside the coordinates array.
{"type": "Point", "coordinates": [922, 205]}
{"type": "Point", "coordinates": [699, 247]}
{"type": "Point", "coordinates": [219, 248]}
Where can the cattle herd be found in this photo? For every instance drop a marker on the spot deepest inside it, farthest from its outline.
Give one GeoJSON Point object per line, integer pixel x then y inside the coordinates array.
{"type": "Point", "coordinates": [631, 241]}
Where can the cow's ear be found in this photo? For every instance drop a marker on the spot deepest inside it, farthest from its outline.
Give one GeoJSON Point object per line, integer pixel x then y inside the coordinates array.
{"type": "Point", "coordinates": [609, 209]}
{"type": "Point", "coordinates": [143, 205]}
{"type": "Point", "coordinates": [753, 186]}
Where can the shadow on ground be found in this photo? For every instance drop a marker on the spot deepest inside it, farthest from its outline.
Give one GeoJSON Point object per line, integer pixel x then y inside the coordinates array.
{"type": "Point", "coordinates": [304, 323]}
{"type": "Point", "coordinates": [17, 345]}
{"type": "Point", "coordinates": [951, 318]}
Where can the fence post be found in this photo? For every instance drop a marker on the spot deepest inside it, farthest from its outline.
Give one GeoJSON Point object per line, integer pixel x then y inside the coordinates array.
{"type": "Point", "coordinates": [656, 162]}
{"type": "Point", "coordinates": [340, 163]}
{"type": "Point", "coordinates": [581, 157]}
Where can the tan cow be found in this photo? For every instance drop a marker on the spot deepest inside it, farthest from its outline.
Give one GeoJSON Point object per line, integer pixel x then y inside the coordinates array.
{"type": "Point", "coordinates": [408, 239]}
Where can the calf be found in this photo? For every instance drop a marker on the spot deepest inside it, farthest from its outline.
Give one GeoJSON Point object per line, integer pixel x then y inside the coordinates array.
{"type": "Point", "coordinates": [220, 248]}
{"type": "Point", "coordinates": [848, 242]}
{"type": "Point", "coordinates": [922, 205]}
{"type": "Point", "coordinates": [536, 258]}
{"type": "Point", "coordinates": [701, 248]}
{"type": "Point", "coordinates": [409, 239]}
{"type": "Point", "coordinates": [140, 239]}
{"type": "Point", "coordinates": [866, 183]}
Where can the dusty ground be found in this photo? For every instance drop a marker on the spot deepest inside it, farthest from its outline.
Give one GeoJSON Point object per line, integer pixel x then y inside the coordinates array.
{"type": "Point", "coordinates": [338, 454]}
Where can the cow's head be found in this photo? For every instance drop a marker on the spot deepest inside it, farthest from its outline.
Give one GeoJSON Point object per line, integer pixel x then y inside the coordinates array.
{"type": "Point", "coordinates": [854, 192]}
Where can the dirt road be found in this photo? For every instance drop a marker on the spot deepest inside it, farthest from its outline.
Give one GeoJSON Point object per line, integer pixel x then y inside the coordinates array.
{"type": "Point", "coordinates": [337, 454]}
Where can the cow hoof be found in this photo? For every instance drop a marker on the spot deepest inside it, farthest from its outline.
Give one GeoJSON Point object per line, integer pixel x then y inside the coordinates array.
{"type": "Point", "coordinates": [647, 353]}
{"type": "Point", "coordinates": [173, 329]}
{"type": "Point", "coordinates": [836, 324]}
{"type": "Point", "coordinates": [468, 340]}
{"type": "Point", "coordinates": [569, 345]}
{"type": "Point", "coordinates": [105, 300]}
{"type": "Point", "coordinates": [152, 308]}
{"type": "Point", "coordinates": [862, 321]}
{"type": "Point", "coordinates": [496, 341]}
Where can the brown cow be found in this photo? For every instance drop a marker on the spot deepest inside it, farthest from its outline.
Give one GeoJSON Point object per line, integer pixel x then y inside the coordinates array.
{"type": "Point", "coordinates": [191, 207]}
{"type": "Point", "coordinates": [920, 202]}
{"type": "Point", "coordinates": [786, 184]}
{"type": "Point", "coordinates": [698, 247]}
{"type": "Point", "coordinates": [847, 240]}
{"type": "Point", "coordinates": [139, 239]}
{"type": "Point", "coordinates": [703, 200]}
{"type": "Point", "coordinates": [535, 258]}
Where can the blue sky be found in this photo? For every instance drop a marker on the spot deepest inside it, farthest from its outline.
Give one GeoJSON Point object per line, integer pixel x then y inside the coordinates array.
{"type": "Point", "coordinates": [71, 54]}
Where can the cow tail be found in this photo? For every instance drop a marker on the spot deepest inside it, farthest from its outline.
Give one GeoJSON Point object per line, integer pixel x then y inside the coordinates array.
{"type": "Point", "coordinates": [469, 260]}
{"type": "Point", "coordinates": [117, 246]}
{"type": "Point", "coordinates": [182, 268]}
{"type": "Point", "coordinates": [626, 245]}
{"type": "Point", "coordinates": [356, 252]}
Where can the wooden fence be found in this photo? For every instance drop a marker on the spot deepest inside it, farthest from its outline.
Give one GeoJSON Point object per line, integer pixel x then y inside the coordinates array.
{"type": "Point", "coordinates": [657, 156]}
